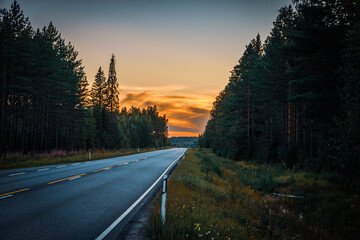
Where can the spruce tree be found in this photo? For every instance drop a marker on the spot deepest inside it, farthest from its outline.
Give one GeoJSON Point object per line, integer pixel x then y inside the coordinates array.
{"type": "Point", "coordinates": [112, 92]}
{"type": "Point", "coordinates": [97, 92]}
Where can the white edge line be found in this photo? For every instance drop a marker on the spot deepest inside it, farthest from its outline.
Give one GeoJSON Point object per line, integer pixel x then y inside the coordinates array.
{"type": "Point", "coordinates": [43, 169]}
{"type": "Point", "coordinates": [15, 174]}
{"type": "Point", "coordinates": [61, 166]}
{"type": "Point", "coordinates": [6, 196]}
{"type": "Point", "coordinates": [75, 164]}
{"type": "Point", "coordinates": [117, 221]}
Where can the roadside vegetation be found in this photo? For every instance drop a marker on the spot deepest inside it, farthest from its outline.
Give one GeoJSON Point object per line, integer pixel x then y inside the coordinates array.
{"type": "Point", "coordinates": [18, 160]}
{"type": "Point", "coordinates": [211, 197]}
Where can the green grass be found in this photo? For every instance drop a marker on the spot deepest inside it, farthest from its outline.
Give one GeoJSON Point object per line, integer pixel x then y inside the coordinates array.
{"type": "Point", "coordinates": [215, 198]}
{"type": "Point", "coordinates": [60, 157]}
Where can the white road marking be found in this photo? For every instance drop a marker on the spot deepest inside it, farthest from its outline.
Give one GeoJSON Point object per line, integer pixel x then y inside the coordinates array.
{"type": "Point", "coordinates": [75, 164]}
{"type": "Point", "coordinates": [117, 221]}
{"type": "Point", "coordinates": [43, 169]}
{"type": "Point", "coordinates": [74, 178]}
{"type": "Point", "coordinates": [15, 174]}
{"type": "Point", "coordinates": [61, 166]}
{"type": "Point", "coordinates": [6, 196]}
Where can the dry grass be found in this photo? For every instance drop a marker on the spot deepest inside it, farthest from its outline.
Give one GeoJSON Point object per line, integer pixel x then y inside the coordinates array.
{"type": "Point", "coordinates": [18, 160]}
{"type": "Point", "coordinates": [214, 198]}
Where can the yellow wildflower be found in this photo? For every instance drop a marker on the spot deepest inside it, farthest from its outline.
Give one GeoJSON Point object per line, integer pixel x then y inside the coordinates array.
{"type": "Point", "coordinates": [197, 226]}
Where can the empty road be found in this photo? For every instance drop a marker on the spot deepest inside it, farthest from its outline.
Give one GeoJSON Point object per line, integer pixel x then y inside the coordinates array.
{"type": "Point", "coordinates": [76, 200]}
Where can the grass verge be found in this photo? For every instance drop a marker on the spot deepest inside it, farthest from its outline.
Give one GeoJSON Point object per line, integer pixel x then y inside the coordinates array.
{"type": "Point", "coordinates": [215, 198]}
{"type": "Point", "coordinates": [60, 157]}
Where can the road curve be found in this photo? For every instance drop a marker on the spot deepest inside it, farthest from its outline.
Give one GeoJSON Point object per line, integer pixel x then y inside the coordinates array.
{"type": "Point", "coordinates": [76, 200]}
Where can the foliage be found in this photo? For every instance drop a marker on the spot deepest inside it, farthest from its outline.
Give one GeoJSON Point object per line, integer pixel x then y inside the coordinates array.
{"type": "Point", "coordinates": [210, 165]}
{"type": "Point", "coordinates": [45, 104]}
{"type": "Point", "coordinates": [111, 88]}
{"type": "Point", "coordinates": [183, 141]}
{"type": "Point", "coordinates": [240, 204]}
{"type": "Point", "coordinates": [294, 100]}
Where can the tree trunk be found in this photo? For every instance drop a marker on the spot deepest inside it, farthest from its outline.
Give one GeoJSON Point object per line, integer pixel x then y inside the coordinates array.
{"type": "Point", "coordinates": [248, 117]}
{"type": "Point", "coordinates": [3, 101]}
{"type": "Point", "coordinates": [289, 117]}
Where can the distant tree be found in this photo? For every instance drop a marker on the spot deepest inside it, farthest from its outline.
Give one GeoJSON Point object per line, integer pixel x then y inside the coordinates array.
{"type": "Point", "coordinates": [159, 126]}
{"type": "Point", "coordinates": [97, 92]}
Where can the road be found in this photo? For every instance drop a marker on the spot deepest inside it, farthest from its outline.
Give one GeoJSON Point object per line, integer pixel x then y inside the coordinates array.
{"type": "Point", "coordinates": [77, 200]}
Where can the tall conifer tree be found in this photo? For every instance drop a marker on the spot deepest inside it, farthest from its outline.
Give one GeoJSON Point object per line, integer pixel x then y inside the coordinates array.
{"type": "Point", "coordinates": [112, 92]}
{"type": "Point", "coordinates": [97, 92]}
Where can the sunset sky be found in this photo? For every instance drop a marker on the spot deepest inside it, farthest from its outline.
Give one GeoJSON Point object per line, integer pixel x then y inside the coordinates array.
{"type": "Point", "coordinates": [173, 54]}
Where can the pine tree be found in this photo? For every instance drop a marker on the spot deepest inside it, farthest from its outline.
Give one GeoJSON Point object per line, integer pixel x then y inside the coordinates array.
{"type": "Point", "coordinates": [97, 92]}
{"type": "Point", "coordinates": [112, 92]}
{"type": "Point", "coordinates": [44, 100]}
{"type": "Point", "coordinates": [15, 50]}
{"type": "Point", "coordinates": [296, 102]}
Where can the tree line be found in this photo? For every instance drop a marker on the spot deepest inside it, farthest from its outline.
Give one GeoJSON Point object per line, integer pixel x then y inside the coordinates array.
{"type": "Point", "coordinates": [45, 103]}
{"type": "Point", "coordinates": [295, 99]}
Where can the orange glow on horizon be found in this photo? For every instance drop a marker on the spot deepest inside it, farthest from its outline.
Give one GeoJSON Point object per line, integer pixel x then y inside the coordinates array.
{"type": "Point", "coordinates": [187, 112]}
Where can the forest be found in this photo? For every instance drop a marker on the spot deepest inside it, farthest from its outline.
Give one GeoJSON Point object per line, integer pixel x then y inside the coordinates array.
{"type": "Point", "coordinates": [294, 99]}
{"type": "Point", "coordinates": [47, 104]}
{"type": "Point", "coordinates": [183, 141]}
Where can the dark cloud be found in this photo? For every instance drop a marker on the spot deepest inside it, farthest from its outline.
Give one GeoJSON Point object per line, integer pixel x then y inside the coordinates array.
{"type": "Point", "coordinates": [138, 97]}
{"type": "Point", "coordinates": [198, 110]}
{"type": "Point", "coordinates": [180, 115]}
{"type": "Point", "coordinates": [179, 97]}
{"type": "Point", "coordinates": [162, 106]}
{"type": "Point", "coordinates": [183, 129]}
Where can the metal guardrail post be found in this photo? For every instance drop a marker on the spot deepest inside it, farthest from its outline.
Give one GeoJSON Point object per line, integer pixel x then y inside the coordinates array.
{"type": "Point", "coordinates": [164, 190]}
{"type": "Point", "coordinates": [163, 199]}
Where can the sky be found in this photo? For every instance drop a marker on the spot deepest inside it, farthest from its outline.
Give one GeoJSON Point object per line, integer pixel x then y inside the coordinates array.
{"type": "Point", "coordinates": [174, 54]}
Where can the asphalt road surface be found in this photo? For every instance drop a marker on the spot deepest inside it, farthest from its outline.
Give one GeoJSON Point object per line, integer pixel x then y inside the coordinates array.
{"type": "Point", "coordinates": [76, 200]}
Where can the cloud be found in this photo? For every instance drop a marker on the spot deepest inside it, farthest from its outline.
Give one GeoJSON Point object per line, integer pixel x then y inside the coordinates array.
{"type": "Point", "coordinates": [154, 89]}
{"type": "Point", "coordinates": [187, 114]}
{"type": "Point", "coordinates": [135, 96]}
{"type": "Point", "coordinates": [182, 129]}
{"type": "Point", "coordinates": [199, 110]}
{"type": "Point", "coordinates": [162, 106]}
{"type": "Point", "coordinates": [179, 97]}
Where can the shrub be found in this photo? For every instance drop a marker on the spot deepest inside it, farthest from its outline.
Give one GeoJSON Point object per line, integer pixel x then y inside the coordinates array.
{"type": "Point", "coordinates": [210, 164]}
